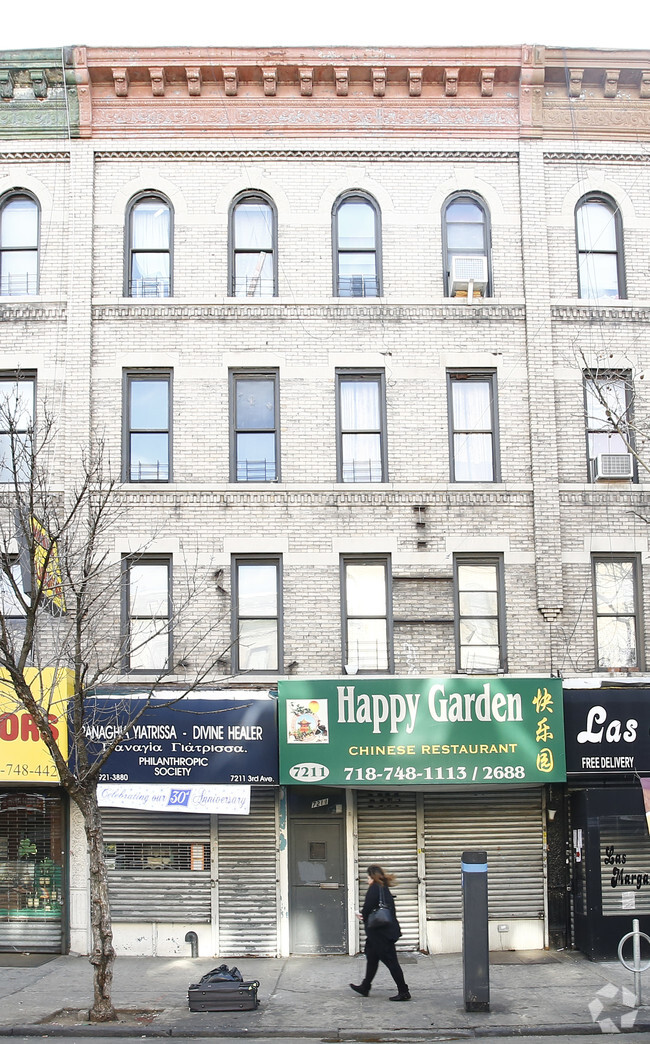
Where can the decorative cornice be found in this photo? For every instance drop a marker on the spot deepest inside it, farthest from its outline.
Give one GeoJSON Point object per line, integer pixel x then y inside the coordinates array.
{"type": "Point", "coordinates": [301, 153]}
{"type": "Point", "coordinates": [36, 310]}
{"type": "Point", "coordinates": [596, 157]}
{"type": "Point", "coordinates": [623, 312]}
{"type": "Point", "coordinates": [315, 497]}
{"type": "Point", "coordinates": [459, 311]}
{"type": "Point", "coordinates": [639, 497]}
{"type": "Point", "coordinates": [27, 156]}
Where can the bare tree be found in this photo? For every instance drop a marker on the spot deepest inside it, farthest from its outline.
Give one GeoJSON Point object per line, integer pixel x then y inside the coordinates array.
{"type": "Point", "coordinates": [60, 609]}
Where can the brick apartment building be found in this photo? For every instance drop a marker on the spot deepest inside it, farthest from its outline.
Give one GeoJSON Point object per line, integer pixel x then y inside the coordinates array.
{"type": "Point", "coordinates": [340, 317]}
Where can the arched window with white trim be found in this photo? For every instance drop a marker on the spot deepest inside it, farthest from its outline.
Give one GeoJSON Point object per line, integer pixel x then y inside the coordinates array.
{"type": "Point", "coordinates": [149, 247]}
{"type": "Point", "coordinates": [599, 241]}
{"type": "Point", "coordinates": [466, 246]}
{"type": "Point", "coordinates": [253, 246]}
{"type": "Point", "coordinates": [19, 239]}
{"type": "Point", "coordinates": [357, 246]}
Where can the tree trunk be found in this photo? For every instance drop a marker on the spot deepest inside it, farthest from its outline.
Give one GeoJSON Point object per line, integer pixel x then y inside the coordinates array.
{"type": "Point", "coordinates": [102, 956]}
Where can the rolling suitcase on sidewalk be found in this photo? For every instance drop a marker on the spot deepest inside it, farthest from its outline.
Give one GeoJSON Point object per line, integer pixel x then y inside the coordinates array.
{"type": "Point", "coordinates": [223, 989]}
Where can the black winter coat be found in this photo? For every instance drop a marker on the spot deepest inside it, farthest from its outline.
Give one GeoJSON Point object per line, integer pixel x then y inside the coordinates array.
{"type": "Point", "coordinates": [385, 937]}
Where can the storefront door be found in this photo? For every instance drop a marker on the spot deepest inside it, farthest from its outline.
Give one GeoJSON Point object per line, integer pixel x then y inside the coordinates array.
{"type": "Point", "coordinates": [317, 873]}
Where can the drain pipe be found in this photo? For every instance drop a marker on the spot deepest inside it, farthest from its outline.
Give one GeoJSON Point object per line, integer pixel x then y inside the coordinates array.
{"type": "Point", "coordinates": [193, 939]}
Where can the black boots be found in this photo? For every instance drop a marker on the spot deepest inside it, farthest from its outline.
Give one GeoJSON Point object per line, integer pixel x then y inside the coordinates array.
{"type": "Point", "coordinates": [403, 995]}
{"type": "Point", "coordinates": [362, 989]}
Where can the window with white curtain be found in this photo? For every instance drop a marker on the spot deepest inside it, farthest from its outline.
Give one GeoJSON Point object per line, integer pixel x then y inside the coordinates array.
{"type": "Point", "coordinates": [356, 247]}
{"type": "Point", "coordinates": [361, 426]}
{"type": "Point", "coordinates": [256, 587]}
{"type": "Point", "coordinates": [480, 620]}
{"type": "Point", "coordinates": [147, 613]}
{"type": "Point", "coordinates": [608, 406]}
{"type": "Point", "coordinates": [149, 264]}
{"type": "Point", "coordinates": [617, 610]}
{"type": "Point", "coordinates": [19, 228]}
{"type": "Point", "coordinates": [599, 236]}
{"type": "Point", "coordinates": [17, 400]}
{"type": "Point", "coordinates": [253, 264]}
{"type": "Point", "coordinates": [473, 450]}
{"type": "Point", "coordinates": [367, 644]}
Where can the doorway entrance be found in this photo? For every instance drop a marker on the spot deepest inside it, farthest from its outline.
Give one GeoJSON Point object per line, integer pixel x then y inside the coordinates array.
{"type": "Point", "coordinates": [317, 885]}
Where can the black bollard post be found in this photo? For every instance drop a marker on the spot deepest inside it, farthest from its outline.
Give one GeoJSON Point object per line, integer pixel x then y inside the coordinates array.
{"type": "Point", "coordinates": [476, 955]}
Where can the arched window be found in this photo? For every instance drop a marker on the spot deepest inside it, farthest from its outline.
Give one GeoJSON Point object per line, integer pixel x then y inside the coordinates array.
{"type": "Point", "coordinates": [599, 238]}
{"type": "Point", "coordinates": [253, 247]}
{"type": "Point", "coordinates": [357, 245]}
{"type": "Point", "coordinates": [149, 253]}
{"type": "Point", "coordinates": [19, 221]}
{"type": "Point", "coordinates": [466, 243]}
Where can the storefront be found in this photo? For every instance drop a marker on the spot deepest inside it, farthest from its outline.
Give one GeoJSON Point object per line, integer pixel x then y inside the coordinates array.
{"type": "Point", "coordinates": [411, 772]}
{"type": "Point", "coordinates": [33, 870]}
{"type": "Point", "coordinates": [608, 750]}
{"type": "Point", "coordinates": [189, 811]}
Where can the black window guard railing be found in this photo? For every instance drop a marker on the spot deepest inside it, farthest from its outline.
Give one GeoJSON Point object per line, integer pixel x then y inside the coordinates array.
{"type": "Point", "coordinates": [155, 472]}
{"type": "Point", "coordinates": [21, 284]}
{"type": "Point", "coordinates": [361, 471]}
{"type": "Point", "coordinates": [256, 471]}
{"type": "Point", "coordinates": [157, 286]}
{"type": "Point", "coordinates": [358, 286]}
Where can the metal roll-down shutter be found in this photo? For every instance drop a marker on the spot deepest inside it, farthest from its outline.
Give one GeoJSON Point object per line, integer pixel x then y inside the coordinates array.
{"type": "Point", "coordinates": [248, 876]}
{"type": "Point", "coordinates": [387, 834]}
{"type": "Point", "coordinates": [159, 865]}
{"type": "Point", "coordinates": [508, 825]}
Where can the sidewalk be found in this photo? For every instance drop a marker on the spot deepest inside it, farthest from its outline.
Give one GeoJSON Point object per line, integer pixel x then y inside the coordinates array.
{"type": "Point", "coordinates": [530, 992]}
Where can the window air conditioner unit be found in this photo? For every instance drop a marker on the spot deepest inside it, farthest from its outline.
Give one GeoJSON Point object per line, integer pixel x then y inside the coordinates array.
{"type": "Point", "coordinates": [613, 466]}
{"type": "Point", "coordinates": [466, 269]}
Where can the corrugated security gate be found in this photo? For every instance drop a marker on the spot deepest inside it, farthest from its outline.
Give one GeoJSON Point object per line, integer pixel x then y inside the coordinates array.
{"type": "Point", "coordinates": [248, 873]}
{"type": "Point", "coordinates": [387, 834]}
{"type": "Point", "coordinates": [158, 865]}
{"type": "Point", "coordinates": [508, 825]}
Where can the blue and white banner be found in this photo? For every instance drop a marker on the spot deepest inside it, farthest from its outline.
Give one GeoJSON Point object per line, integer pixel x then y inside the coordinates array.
{"type": "Point", "coordinates": [164, 797]}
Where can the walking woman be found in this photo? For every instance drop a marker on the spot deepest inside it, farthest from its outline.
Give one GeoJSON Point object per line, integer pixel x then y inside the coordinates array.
{"type": "Point", "coordinates": [380, 941]}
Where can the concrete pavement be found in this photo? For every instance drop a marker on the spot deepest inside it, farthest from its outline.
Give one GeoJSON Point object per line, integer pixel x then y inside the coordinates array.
{"type": "Point", "coordinates": [530, 992]}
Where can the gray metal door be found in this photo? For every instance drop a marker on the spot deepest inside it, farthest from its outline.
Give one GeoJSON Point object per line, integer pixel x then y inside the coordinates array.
{"type": "Point", "coordinates": [317, 886]}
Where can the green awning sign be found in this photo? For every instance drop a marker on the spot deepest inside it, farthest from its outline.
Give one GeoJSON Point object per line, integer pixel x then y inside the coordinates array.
{"type": "Point", "coordinates": [377, 731]}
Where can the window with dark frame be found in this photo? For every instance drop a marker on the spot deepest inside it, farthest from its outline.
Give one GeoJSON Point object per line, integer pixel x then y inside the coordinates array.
{"type": "Point", "coordinates": [257, 614]}
{"type": "Point", "coordinates": [147, 613]}
{"type": "Point", "coordinates": [17, 406]}
{"type": "Point", "coordinates": [19, 237]}
{"type": "Point", "coordinates": [466, 233]}
{"type": "Point", "coordinates": [147, 435]}
{"type": "Point", "coordinates": [366, 611]}
{"type": "Point", "coordinates": [361, 426]}
{"type": "Point", "coordinates": [599, 240]}
{"type": "Point", "coordinates": [473, 432]}
{"type": "Point", "coordinates": [608, 406]}
{"type": "Point", "coordinates": [617, 610]}
{"type": "Point", "coordinates": [357, 242]}
{"type": "Point", "coordinates": [480, 621]}
{"type": "Point", "coordinates": [255, 430]}
{"type": "Point", "coordinates": [149, 254]}
{"type": "Point", "coordinates": [253, 247]}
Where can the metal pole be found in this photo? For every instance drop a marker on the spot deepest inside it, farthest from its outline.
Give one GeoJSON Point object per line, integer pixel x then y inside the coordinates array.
{"type": "Point", "coordinates": [636, 950]}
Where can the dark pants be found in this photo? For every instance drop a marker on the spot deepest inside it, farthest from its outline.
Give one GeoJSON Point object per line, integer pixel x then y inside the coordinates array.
{"type": "Point", "coordinates": [384, 952]}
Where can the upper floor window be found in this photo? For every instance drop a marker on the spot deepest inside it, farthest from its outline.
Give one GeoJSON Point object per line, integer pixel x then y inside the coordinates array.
{"type": "Point", "coordinates": [599, 236]}
{"type": "Point", "coordinates": [253, 251]}
{"type": "Point", "coordinates": [257, 613]}
{"type": "Point", "coordinates": [147, 429]}
{"type": "Point", "coordinates": [472, 427]}
{"type": "Point", "coordinates": [480, 619]}
{"type": "Point", "coordinates": [254, 439]}
{"type": "Point", "coordinates": [147, 623]}
{"type": "Point", "coordinates": [466, 242]}
{"type": "Point", "coordinates": [19, 221]}
{"type": "Point", "coordinates": [17, 397]}
{"type": "Point", "coordinates": [366, 610]}
{"type": "Point", "coordinates": [149, 264]}
{"type": "Point", "coordinates": [617, 610]}
{"type": "Point", "coordinates": [608, 405]}
{"type": "Point", "coordinates": [357, 239]}
{"type": "Point", "coordinates": [361, 427]}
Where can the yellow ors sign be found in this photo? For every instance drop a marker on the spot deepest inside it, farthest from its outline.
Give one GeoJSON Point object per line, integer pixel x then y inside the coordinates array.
{"type": "Point", "coordinates": [24, 757]}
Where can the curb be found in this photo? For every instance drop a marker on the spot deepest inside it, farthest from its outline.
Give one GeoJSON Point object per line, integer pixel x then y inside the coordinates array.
{"type": "Point", "coordinates": [343, 1035]}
